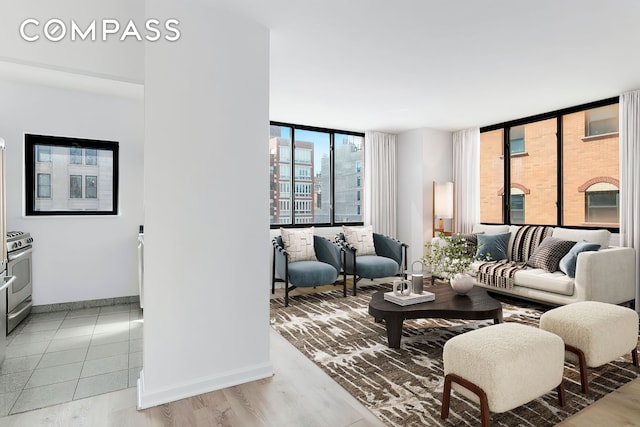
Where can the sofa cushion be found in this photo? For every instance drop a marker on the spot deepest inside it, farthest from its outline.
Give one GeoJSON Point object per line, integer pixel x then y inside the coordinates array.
{"type": "Point", "coordinates": [493, 246]}
{"type": "Point", "coordinates": [489, 229]}
{"type": "Point", "coordinates": [299, 244]}
{"type": "Point", "coordinates": [360, 238]}
{"type": "Point", "coordinates": [568, 262]}
{"type": "Point", "coordinates": [601, 237]}
{"type": "Point", "coordinates": [536, 278]}
{"type": "Point", "coordinates": [548, 254]}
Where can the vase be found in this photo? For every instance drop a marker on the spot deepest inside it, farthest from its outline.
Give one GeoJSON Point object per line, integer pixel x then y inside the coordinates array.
{"type": "Point", "coordinates": [462, 283]}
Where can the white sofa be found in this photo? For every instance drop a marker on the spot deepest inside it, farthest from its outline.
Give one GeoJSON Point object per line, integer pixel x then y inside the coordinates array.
{"type": "Point", "coordinates": [606, 275]}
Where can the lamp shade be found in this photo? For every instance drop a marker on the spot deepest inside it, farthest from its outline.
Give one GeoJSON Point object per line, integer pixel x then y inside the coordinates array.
{"type": "Point", "coordinates": [443, 199]}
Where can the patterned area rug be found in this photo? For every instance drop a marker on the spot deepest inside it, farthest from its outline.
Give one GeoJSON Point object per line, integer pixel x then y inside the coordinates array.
{"type": "Point", "coordinates": [404, 386]}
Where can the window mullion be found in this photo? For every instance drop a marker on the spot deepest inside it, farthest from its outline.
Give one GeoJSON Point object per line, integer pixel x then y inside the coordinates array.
{"type": "Point", "coordinates": [559, 189]}
{"type": "Point", "coordinates": [332, 164]}
{"type": "Point", "coordinates": [506, 195]}
{"type": "Point", "coordinates": [292, 177]}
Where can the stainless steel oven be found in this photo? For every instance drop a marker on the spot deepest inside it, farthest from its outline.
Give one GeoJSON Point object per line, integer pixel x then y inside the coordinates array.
{"type": "Point", "coordinates": [19, 256]}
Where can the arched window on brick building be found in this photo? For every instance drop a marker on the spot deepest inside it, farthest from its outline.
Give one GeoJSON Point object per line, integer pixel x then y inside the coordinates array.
{"type": "Point", "coordinates": [517, 206]}
{"type": "Point", "coordinates": [516, 202]}
{"type": "Point", "coordinates": [601, 201]}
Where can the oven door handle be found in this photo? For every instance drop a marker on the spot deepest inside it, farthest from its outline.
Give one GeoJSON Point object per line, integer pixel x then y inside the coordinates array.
{"type": "Point", "coordinates": [12, 256]}
{"type": "Point", "coordinates": [8, 280]}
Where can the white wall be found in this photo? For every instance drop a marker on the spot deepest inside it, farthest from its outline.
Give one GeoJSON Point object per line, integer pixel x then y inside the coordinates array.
{"type": "Point", "coordinates": [207, 275]}
{"type": "Point", "coordinates": [424, 155]}
{"type": "Point", "coordinates": [76, 258]}
{"type": "Point", "coordinates": [113, 59]}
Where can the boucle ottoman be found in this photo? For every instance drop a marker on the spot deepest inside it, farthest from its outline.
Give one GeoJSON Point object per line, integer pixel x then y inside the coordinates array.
{"type": "Point", "coordinates": [502, 366]}
{"type": "Point", "coordinates": [594, 333]}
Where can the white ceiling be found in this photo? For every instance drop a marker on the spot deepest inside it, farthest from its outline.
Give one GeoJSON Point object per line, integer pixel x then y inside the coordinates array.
{"type": "Point", "coordinates": [397, 65]}
{"type": "Point", "coordinates": [394, 65]}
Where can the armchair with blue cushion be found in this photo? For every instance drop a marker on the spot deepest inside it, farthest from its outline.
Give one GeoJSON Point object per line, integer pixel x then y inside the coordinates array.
{"type": "Point", "coordinates": [324, 269]}
{"type": "Point", "coordinates": [389, 259]}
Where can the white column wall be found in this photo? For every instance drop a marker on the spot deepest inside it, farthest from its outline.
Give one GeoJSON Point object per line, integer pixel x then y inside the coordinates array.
{"type": "Point", "coordinates": [424, 155]}
{"type": "Point", "coordinates": [206, 218]}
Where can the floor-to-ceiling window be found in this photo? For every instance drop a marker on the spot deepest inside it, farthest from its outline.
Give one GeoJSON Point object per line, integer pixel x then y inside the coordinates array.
{"type": "Point", "coordinates": [316, 175]}
{"type": "Point", "coordinates": [558, 168]}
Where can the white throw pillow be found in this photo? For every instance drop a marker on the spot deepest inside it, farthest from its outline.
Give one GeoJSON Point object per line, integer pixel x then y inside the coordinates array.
{"type": "Point", "coordinates": [360, 238]}
{"type": "Point", "coordinates": [299, 244]}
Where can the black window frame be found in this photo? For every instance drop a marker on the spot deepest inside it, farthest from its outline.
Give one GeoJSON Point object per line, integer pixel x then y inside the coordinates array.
{"type": "Point", "coordinates": [332, 133]}
{"type": "Point", "coordinates": [33, 140]}
{"type": "Point", "coordinates": [557, 114]}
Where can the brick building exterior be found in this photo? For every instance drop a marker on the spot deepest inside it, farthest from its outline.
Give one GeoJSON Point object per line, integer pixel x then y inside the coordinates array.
{"type": "Point", "coordinates": [590, 169]}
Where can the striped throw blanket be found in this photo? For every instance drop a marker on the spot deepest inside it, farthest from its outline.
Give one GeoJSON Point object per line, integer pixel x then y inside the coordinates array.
{"type": "Point", "coordinates": [501, 273]}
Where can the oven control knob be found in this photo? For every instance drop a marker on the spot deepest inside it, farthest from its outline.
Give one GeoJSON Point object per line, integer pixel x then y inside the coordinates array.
{"type": "Point", "coordinates": [19, 244]}
{"type": "Point", "coordinates": [15, 245]}
{"type": "Point", "coordinates": [30, 239]}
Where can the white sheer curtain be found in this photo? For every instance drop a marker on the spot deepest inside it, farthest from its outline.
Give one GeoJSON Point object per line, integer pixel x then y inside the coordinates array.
{"type": "Point", "coordinates": [466, 177]}
{"type": "Point", "coordinates": [380, 179]}
{"type": "Point", "coordinates": [630, 177]}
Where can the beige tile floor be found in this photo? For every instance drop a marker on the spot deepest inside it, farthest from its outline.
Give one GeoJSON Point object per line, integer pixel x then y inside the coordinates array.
{"type": "Point", "coordinates": [62, 356]}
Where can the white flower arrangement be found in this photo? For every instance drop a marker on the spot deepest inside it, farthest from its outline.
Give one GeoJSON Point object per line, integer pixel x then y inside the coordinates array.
{"type": "Point", "coordinates": [450, 255]}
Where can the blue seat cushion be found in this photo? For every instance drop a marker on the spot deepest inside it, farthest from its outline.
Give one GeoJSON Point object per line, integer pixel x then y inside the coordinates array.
{"type": "Point", "coordinates": [374, 267]}
{"type": "Point", "coordinates": [305, 274]}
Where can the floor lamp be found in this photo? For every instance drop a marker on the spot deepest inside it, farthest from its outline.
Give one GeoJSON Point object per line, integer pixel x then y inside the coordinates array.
{"type": "Point", "coordinates": [442, 207]}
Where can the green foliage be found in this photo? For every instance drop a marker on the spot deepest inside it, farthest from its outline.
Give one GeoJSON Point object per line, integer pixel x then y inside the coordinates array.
{"type": "Point", "coordinates": [450, 255]}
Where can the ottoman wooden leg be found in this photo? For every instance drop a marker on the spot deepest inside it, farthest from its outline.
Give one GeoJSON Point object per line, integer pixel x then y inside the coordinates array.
{"type": "Point", "coordinates": [561, 397]}
{"type": "Point", "coordinates": [582, 363]}
{"type": "Point", "coordinates": [634, 355]}
{"type": "Point", "coordinates": [485, 415]}
{"type": "Point", "coordinates": [446, 397]}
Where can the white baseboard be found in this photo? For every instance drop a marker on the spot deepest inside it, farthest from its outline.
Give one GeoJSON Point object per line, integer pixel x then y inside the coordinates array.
{"type": "Point", "coordinates": [148, 399]}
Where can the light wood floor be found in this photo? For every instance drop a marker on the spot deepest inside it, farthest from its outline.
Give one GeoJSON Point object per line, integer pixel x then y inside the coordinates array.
{"type": "Point", "coordinates": [299, 394]}
{"type": "Point", "coordinates": [620, 408]}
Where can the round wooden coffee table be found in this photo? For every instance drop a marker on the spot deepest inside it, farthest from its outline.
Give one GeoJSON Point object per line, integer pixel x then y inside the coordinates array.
{"type": "Point", "coordinates": [476, 305]}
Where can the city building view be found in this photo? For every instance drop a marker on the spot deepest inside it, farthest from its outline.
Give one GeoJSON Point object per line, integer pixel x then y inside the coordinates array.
{"type": "Point", "coordinates": [581, 159]}
{"type": "Point", "coordinates": [73, 179]}
{"type": "Point", "coordinates": [315, 175]}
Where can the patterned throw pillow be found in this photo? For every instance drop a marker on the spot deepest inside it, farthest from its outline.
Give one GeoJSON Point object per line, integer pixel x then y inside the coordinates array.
{"type": "Point", "coordinates": [548, 254]}
{"type": "Point", "coordinates": [299, 244]}
{"type": "Point", "coordinates": [360, 238]}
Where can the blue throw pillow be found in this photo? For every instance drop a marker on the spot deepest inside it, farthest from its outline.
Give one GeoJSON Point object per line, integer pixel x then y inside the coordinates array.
{"type": "Point", "coordinates": [493, 246]}
{"type": "Point", "coordinates": [568, 262]}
